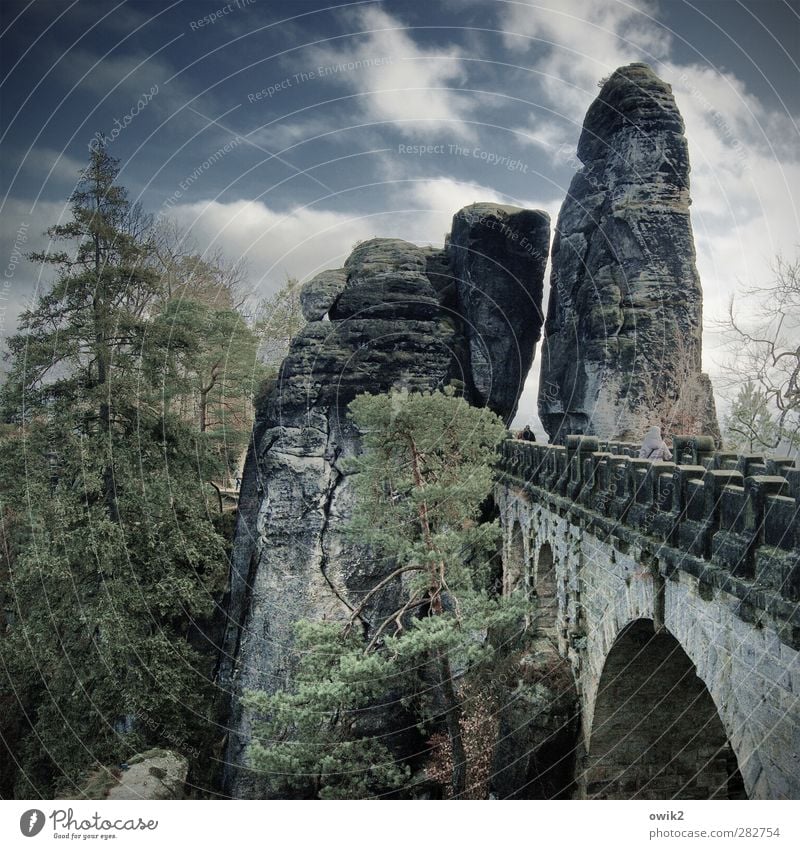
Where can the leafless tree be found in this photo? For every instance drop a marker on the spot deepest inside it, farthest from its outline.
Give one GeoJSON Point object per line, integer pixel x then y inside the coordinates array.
{"type": "Point", "coordinates": [762, 336]}
{"type": "Point", "coordinates": [205, 276]}
{"type": "Point", "coordinates": [676, 401]}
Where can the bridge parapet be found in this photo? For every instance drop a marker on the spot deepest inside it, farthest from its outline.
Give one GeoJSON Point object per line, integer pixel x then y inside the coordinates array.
{"type": "Point", "coordinates": [733, 521]}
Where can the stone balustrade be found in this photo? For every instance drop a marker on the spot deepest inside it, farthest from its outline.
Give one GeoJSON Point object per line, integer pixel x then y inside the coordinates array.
{"type": "Point", "coordinates": [731, 520]}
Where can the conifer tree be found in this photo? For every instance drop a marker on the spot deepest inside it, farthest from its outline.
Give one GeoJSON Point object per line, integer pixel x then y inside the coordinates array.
{"type": "Point", "coordinates": [110, 556]}
{"type": "Point", "coordinates": [420, 482]}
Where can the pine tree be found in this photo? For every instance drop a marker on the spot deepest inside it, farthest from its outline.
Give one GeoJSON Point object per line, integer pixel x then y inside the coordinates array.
{"type": "Point", "coordinates": [112, 561]}
{"type": "Point", "coordinates": [425, 471]}
{"type": "Point", "coordinates": [307, 744]}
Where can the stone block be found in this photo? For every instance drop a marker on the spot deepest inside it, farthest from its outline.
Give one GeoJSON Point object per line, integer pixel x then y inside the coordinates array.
{"type": "Point", "coordinates": [778, 570]}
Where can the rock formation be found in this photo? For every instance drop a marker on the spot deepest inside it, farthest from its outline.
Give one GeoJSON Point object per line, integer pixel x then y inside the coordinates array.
{"type": "Point", "coordinates": [395, 317]}
{"type": "Point", "coordinates": [498, 256]}
{"type": "Point", "coordinates": [154, 774]}
{"type": "Point", "coordinates": [320, 293]}
{"type": "Point", "coordinates": [623, 333]}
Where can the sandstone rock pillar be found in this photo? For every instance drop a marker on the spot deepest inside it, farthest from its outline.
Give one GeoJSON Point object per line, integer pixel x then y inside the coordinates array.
{"type": "Point", "coordinates": [623, 332]}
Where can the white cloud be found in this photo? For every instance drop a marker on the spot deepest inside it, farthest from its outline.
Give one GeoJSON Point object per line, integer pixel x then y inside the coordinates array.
{"type": "Point", "coordinates": [296, 242]}
{"type": "Point", "coordinates": [583, 40]}
{"type": "Point", "coordinates": [51, 165]}
{"type": "Point", "coordinates": [276, 244]}
{"type": "Point", "coordinates": [400, 82]}
{"type": "Point", "coordinates": [301, 241]}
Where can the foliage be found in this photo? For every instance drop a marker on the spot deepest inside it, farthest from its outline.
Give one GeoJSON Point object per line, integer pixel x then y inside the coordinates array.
{"type": "Point", "coordinates": [278, 319]}
{"type": "Point", "coordinates": [95, 310]}
{"type": "Point", "coordinates": [420, 483]}
{"type": "Point", "coordinates": [187, 274]}
{"type": "Point", "coordinates": [111, 561]}
{"type": "Point", "coordinates": [205, 359]}
{"type": "Point", "coordinates": [307, 745]}
{"type": "Point", "coordinates": [202, 346]}
{"type": "Point", "coordinates": [424, 473]}
{"type": "Point", "coordinates": [103, 606]}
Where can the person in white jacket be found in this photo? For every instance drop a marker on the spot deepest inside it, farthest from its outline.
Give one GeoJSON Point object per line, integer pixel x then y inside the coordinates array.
{"type": "Point", "coordinates": [654, 447]}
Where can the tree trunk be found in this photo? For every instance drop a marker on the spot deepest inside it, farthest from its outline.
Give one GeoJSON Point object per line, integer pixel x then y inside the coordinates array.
{"type": "Point", "coordinates": [109, 488]}
{"type": "Point", "coordinates": [458, 780]}
{"type": "Point", "coordinates": [204, 390]}
{"type": "Point", "coordinates": [203, 403]}
{"type": "Point", "coordinates": [103, 356]}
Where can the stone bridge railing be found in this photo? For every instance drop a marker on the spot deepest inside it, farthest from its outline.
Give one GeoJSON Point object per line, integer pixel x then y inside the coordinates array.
{"type": "Point", "coordinates": [731, 520]}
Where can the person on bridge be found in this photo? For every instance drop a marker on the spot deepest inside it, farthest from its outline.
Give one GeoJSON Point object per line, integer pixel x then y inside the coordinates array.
{"type": "Point", "coordinates": [526, 434]}
{"type": "Point", "coordinates": [654, 447]}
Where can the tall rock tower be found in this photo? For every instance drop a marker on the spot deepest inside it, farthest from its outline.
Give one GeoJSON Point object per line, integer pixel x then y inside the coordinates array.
{"type": "Point", "coordinates": [396, 315]}
{"type": "Point", "coordinates": [623, 332]}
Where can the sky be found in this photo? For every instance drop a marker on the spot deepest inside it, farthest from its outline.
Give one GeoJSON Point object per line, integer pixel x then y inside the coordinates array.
{"type": "Point", "coordinates": [280, 132]}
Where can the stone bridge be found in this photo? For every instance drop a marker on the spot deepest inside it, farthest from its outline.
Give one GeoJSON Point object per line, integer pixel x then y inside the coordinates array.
{"type": "Point", "coordinates": [672, 589]}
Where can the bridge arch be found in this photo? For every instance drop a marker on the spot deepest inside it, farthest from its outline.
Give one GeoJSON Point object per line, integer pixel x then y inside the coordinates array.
{"type": "Point", "coordinates": [656, 732]}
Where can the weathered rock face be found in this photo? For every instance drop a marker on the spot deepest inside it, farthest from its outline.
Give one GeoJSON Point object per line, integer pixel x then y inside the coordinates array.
{"type": "Point", "coordinates": [291, 559]}
{"type": "Point", "coordinates": [395, 319]}
{"type": "Point", "coordinates": [623, 330]}
{"type": "Point", "coordinates": [498, 256]}
{"type": "Point", "coordinates": [318, 295]}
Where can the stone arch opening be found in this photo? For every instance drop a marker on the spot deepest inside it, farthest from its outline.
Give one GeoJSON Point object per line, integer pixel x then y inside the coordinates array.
{"type": "Point", "coordinates": [545, 590]}
{"type": "Point", "coordinates": [656, 733]}
{"type": "Point", "coordinates": [514, 576]}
